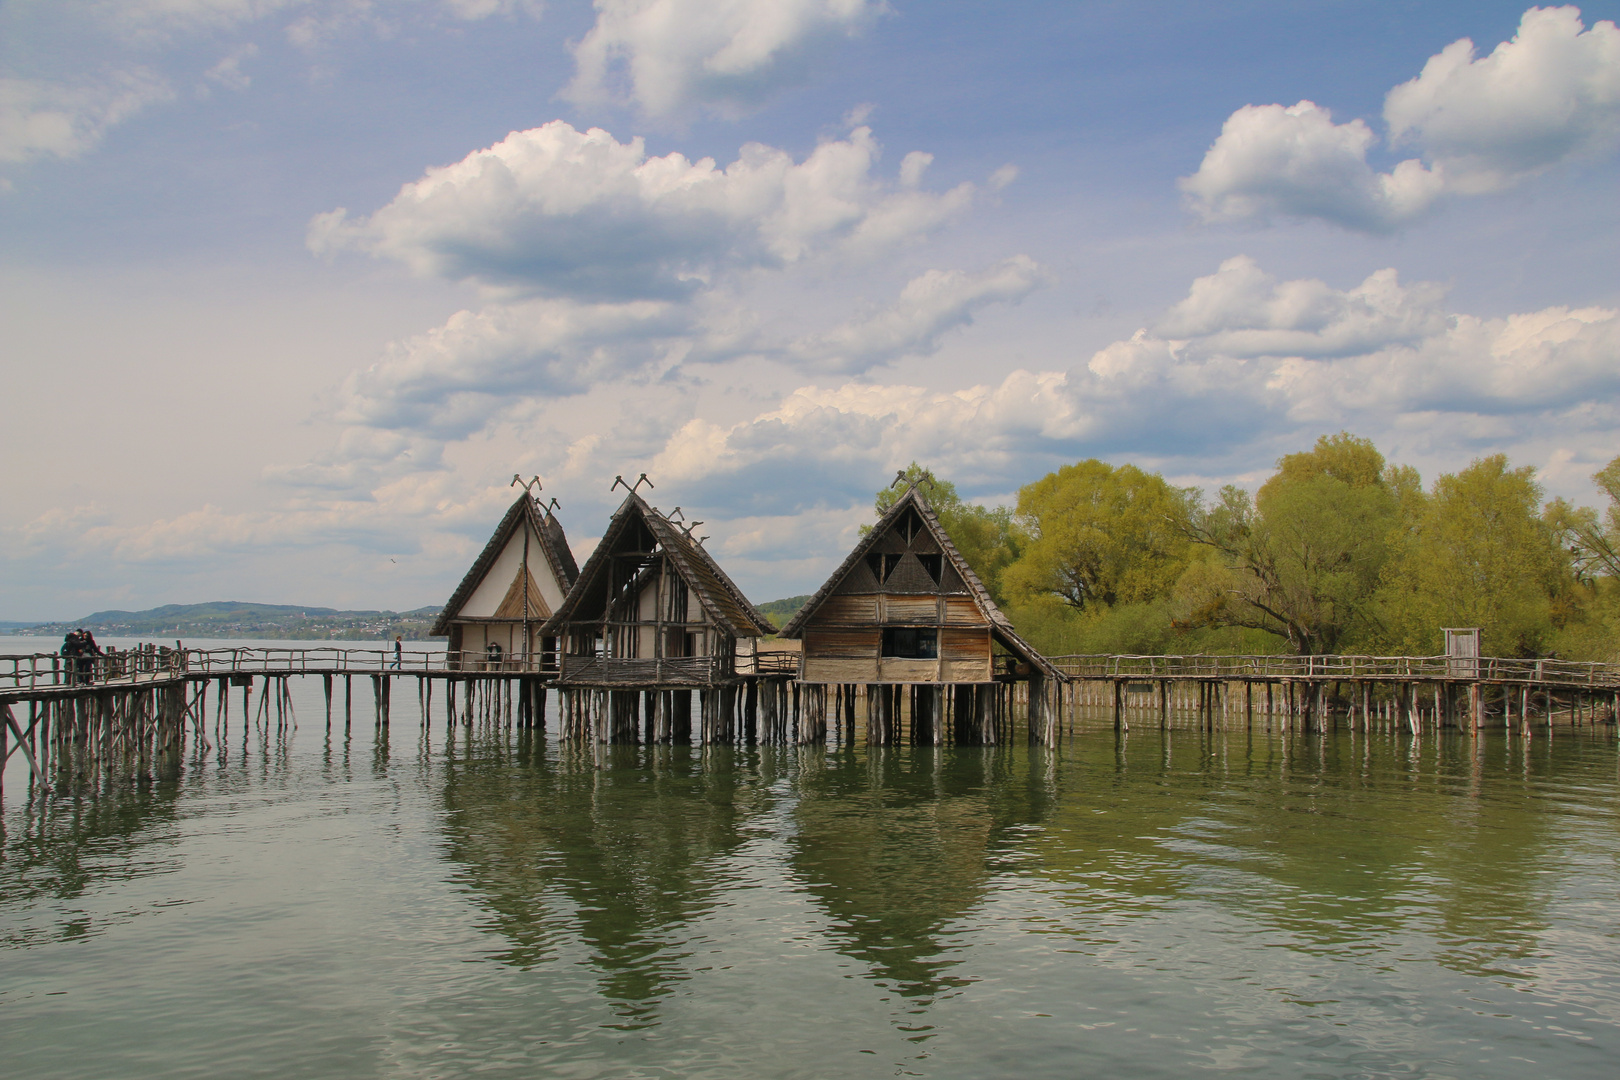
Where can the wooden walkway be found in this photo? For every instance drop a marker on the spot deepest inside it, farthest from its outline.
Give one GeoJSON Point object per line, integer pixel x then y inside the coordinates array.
{"type": "Point", "coordinates": [1398, 692]}
{"type": "Point", "coordinates": [1541, 674]}
{"type": "Point", "coordinates": [142, 703]}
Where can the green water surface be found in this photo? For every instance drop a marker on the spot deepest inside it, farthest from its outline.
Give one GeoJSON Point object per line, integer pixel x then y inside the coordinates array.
{"type": "Point", "coordinates": [291, 904]}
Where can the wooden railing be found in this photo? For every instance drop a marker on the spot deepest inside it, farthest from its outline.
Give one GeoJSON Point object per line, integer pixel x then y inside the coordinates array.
{"type": "Point", "coordinates": [1564, 673]}
{"type": "Point", "coordinates": [769, 662]}
{"type": "Point", "coordinates": [644, 671]}
{"type": "Point", "coordinates": [148, 663]}
{"type": "Point", "coordinates": [48, 670]}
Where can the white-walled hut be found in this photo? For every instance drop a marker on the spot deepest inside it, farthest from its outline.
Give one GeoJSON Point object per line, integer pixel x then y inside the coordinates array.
{"type": "Point", "coordinates": [905, 616]}
{"type": "Point", "coordinates": [651, 619]}
{"type": "Point", "coordinates": [494, 618]}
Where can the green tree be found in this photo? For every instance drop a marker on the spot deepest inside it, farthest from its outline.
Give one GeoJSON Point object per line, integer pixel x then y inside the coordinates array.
{"type": "Point", "coordinates": [1481, 554]}
{"type": "Point", "coordinates": [1592, 541]}
{"type": "Point", "coordinates": [986, 537]}
{"type": "Point", "coordinates": [1100, 536]}
{"type": "Point", "coordinates": [1303, 559]}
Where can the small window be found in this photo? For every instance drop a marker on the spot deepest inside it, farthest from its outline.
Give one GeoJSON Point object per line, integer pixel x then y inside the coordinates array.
{"type": "Point", "coordinates": [882, 566]}
{"type": "Point", "coordinates": [934, 564]}
{"type": "Point", "coordinates": [911, 642]}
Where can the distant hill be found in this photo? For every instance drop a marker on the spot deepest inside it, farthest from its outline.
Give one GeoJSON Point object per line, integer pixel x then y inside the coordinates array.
{"type": "Point", "coordinates": [238, 619]}
{"type": "Point", "coordinates": [780, 611]}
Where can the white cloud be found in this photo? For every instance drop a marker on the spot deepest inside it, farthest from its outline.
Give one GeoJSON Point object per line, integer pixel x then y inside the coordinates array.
{"type": "Point", "coordinates": [228, 72]}
{"type": "Point", "coordinates": [52, 119]}
{"type": "Point", "coordinates": [481, 366]}
{"type": "Point", "coordinates": [928, 307]}
{"type": "Point", "coordinates": [452, 380]}
{"type": "Point", "coordinates": [1241, 311]}
{"type": "Point", "coordinates": [1481, 125]}
{"type": "Point", "coordinates": [1297, 162]}
{"type": "Point", "coordinates": [1551, 93]}
{"type": "Point", "coordinates": [1244, 362]}
{"type": "Point", "coordinates": [669, 57]}
{"type": "Point", "coordinates": [578, 213]}
{"type": "Point", "coordinates": [780, 484]}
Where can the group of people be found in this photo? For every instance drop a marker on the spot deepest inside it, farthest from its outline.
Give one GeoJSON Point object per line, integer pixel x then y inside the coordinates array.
{"type": "Point", "coordinates": [80, 650]}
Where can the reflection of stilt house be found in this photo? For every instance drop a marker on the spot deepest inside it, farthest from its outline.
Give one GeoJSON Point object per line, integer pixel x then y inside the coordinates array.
{"type": "Point", "coordinates": [653, 614]}
{"type": "Point", "coordinates": [494, 618]}
{"type": "Point", "coordinates": [907, 618]}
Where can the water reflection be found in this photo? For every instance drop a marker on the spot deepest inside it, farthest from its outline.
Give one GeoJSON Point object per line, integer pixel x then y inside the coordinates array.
{"type": "Point", "coordinates": [54, 851]}
{"type": "Point", "coordinates": [1259, 901]}
{"type": "Point", "coordinates": [622, 848]}
{"type": "Point", "coordinates": [1339, 846]}
{"type": "Point", "coordinates": [897, 846]}
{"type": "Point", "coordinates": [1343, 846]}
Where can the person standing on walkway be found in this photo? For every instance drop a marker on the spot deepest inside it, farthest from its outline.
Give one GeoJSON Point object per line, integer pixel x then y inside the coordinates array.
{"type": "Point", "coordinates": [71, 649]}
{"type": "Point", "coordinates": [398, 650]}
{"type": "Point", "coordinates": [88, 651]}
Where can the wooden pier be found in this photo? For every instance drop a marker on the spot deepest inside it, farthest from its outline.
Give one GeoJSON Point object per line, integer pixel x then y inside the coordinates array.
{"type": "Point", "coordinates": [1309, 692]}
{"type": "Point", "coordinates": [71, 717]}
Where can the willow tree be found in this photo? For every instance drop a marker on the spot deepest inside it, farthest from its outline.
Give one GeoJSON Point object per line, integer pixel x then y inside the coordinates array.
{"type": "Point", "coordinates": [1481, 555]}
{"type": "Point", "coordinates": [1304, 558]}
{"type": "Point", "coordinates": [1100, 535]}
{"type": "Point", "coordinates": [1593, 540]}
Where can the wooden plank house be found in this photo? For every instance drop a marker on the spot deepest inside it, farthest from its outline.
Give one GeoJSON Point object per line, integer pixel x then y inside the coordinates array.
{"type": "Point", "coordinates": [907, 618]}
{"type": "Point", "coordinates": [651, 619]}
{"type": "Point", "coordinates": [494, 618]}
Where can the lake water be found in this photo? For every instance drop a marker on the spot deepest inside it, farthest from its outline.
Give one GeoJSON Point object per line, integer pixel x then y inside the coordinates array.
{"type": "Point", "coordinates": [488, 903]}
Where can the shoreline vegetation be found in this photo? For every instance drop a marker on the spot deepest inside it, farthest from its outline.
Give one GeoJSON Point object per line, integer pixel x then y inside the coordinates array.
{"type": "Point", "coordinates": [1339, 551]}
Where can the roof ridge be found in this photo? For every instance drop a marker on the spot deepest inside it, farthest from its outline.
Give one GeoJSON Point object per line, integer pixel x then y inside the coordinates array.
{"type": "Point", "coordinates": [549, 535]}
{"type": "Point", "coordinates": [1000, 624]}
{"type": "Point", "coordinates": [795, 624]}
{"type": "Point", "coordinates": [696, 566]}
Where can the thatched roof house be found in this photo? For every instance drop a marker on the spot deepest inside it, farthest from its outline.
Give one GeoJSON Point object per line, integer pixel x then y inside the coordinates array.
{"type": "Point", "coordinates": [652, 609]}
{"type": "Point", "coordinates": [905, 607]}
{"type": "Point", "coordinates": [519, 580]}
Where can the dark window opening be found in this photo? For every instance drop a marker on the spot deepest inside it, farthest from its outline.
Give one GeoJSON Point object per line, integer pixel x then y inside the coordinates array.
{"type": "Point", "coordinates": [882, 566]}
{"type": "Point", "coordinates": [910, 525]}
{"type": "Point", "coordinates": [934, 564]}
{"type": "Point", "coordinates": [911, 642]}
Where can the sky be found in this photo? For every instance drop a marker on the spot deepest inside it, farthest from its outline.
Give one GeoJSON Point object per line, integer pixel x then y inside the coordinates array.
{"type": "Point", "coordinates": [291, 289]}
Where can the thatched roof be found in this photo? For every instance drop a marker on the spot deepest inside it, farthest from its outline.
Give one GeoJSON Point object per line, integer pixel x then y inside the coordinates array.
{"type": "Point", "coordinates": [714, 589]}
{"type": "Point", "coordinates": [552, 541]}
{"type": "Point", "coordinates": [1000, 626]}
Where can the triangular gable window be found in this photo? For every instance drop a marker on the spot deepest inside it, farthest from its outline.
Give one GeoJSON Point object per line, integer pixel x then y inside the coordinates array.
{"type": "Point", "coordinates": [882, 565]}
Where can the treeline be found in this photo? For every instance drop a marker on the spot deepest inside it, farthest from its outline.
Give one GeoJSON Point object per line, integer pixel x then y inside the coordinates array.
{"type": "Point", "coordinates": [1337, 552]}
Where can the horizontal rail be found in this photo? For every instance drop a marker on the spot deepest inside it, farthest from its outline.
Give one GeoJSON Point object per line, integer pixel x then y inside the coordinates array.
{"type": "Point", "coordinates": [641, 671]}
{"type": "Point", "coordinates": [1571, 674]}
{"type": "Point", "coordinates": [44, 671]}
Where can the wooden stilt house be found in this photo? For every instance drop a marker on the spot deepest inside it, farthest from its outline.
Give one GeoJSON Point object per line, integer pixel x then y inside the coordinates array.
{"type": "Point", "coordinates": [494, 618]}
{"type": "Point", "coordinates": [653, 613]}
{"type": "Point", "coordinates": [905, 615]}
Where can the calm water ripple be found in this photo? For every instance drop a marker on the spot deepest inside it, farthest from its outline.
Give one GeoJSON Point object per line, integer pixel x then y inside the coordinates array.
{"type": "Point", "coordinates": [303, 906]}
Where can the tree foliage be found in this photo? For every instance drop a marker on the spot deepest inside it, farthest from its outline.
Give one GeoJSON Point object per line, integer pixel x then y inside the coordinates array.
{"type": "Point", "coordinates": [1303, 559]}
{"type": "Point", "coordinates": [1100, 536]}
{"type": "Point", "coordinates": [1480, 555]}
{"type": "Point", "coordinates": [1338, 551]}
{"type": "Point", "coordinates": [1593, 542]}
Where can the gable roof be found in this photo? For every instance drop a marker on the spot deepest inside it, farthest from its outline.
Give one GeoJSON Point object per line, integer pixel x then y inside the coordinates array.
{"type": "Point", "coordinates": [715, 590]}
{"type": "Point", "coordinates": [552, 542]}
{"type": "Point", "coordinates": [1000, 627]}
